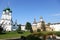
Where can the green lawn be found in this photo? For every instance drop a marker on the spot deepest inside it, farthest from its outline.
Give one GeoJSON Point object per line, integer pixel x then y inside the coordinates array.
{"type": "Point", "coordinates": [13, 35]}
{"type": "Point", "coordinates": [16, 35]}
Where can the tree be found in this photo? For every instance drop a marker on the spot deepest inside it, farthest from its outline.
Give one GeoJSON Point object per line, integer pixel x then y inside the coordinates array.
{"type": "Point", "coordinates": [44, 29]}
{"type": "Point", "coordinates": [28, 26]}
{"type": "Point", "coordinates": [43, 26]}
{"type": "Point", "coordinates": [1, 29]}
{"type": "Point", "coordinates": [38, 30]}
{"type": "Point", "coordinates": [48, 24]}
{"type": "Point", "coordinates": [19, 28]}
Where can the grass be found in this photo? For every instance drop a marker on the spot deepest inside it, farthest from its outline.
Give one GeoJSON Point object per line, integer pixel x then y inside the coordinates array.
{"type": "Point", "coordinates": [16, 35]}
{"type": "Point", "coordinates": [13, 35]}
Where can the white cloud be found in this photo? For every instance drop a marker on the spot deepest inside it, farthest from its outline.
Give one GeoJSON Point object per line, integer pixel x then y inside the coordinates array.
{"type": "Point", "coordinates": [58, 14]}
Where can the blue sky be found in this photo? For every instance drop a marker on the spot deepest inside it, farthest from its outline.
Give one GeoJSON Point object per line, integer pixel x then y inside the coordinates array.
{"type": "Point", "coordinates": [26, 10]}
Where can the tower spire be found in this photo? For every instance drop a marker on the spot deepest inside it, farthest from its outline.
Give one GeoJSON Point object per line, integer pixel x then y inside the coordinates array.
{"type": "Point", "coordinates": [34, 21]}
{"type": "Point", "coordinates": [8, 4]}
{"type": "Point", "coordinates": [41, 18]}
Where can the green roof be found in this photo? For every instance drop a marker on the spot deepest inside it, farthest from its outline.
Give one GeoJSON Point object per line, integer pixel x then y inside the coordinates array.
{"type": "Point", "coordinates": [7, 9]}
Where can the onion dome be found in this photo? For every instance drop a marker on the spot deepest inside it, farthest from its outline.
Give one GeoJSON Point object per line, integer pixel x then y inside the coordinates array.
{"type": "Point", "coordinates": [34, 21]}
{"type": "Point", "coordinates": [7, 9]}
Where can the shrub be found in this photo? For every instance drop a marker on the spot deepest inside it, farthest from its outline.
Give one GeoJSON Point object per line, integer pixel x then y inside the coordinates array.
{"type": "Point", "coordinates": [33, 37]}
{"type": "Point", "coordinates": [20, 32]}
{"type": "Point", "coordinates": [38, 30]}
{"type": "Point", "coordinates": [57, 33]}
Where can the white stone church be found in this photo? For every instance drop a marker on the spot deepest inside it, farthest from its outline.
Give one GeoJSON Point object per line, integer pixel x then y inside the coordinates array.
{"type": "Point", "coordinates": [52, 27]}
{"type": "Point", "coordinates": [6, 20]}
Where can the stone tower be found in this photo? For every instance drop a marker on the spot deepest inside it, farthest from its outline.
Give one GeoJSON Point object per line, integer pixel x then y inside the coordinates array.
{"type": "Point", "coordinates": [34, 25]}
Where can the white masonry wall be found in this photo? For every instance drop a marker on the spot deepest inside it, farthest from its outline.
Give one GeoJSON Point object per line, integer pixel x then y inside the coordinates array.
{"type": "Point", "coordinates": [23, 27]}
{"type": "Point", "coordinates": [56, 27]}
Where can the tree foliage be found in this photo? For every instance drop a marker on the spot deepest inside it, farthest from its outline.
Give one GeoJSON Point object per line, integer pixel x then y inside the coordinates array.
{"type": "Point", "coordinates": [43, 26]}
{"type": "Point", "coordinates": [19, 28]}
{"type": "Point", "coordinates": [48, 24]}
{"type": "Point", "coordinates": [29, 27]}
{"type": "Point", "coordinates": [38, 30]}
{"type": "Point", "coordinates": [1, 29]}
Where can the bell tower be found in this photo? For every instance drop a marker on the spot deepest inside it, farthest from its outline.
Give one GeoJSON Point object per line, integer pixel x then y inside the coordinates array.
{"type": "Point", "coordinates": [34, 25]}
{"type": "Point", "coordinates": [6, 19]}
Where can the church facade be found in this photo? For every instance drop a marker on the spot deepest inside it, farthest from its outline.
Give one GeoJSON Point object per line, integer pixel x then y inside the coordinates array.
{"type": "Point", "coordinates": [6, 20]}
{"type": "Point", "coordinates": [38, 25]}
{"type": "Point", "coordinates": [50, 27]}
